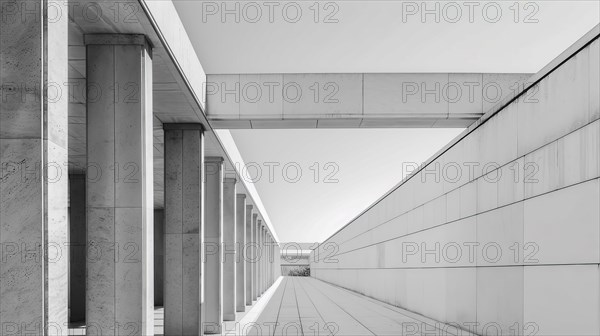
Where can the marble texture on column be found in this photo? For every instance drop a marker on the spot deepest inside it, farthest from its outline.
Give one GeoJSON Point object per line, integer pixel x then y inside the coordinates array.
{"type": "Point", "coordinates": [240, 262]}
{"type": "Point", "coordinates": [120, 200]}
{"type": "Point", "coordinates": [248, 253]}
{"type": "Point", "coordinates": [256, 258]}
{"type": "Point", "coordinates": [33, 175]}
{"type": "Point", "coordinates": [228, 250]}
{"type": "Point", "coordinates": [184, 156]}
{"type": "Point", "coordinates": [213, 235]}
{"type": "Point", "coordinates": [77, 247]}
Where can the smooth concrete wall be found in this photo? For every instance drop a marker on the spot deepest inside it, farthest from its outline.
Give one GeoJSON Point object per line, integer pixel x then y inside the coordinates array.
{"type": "Point", "coordinates": [518, 253]}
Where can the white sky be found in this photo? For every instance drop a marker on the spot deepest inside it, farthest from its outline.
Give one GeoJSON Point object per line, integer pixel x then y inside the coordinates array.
{"type": "Point", "coordinates": [369, 36]}
{"type": "Point", "coordinates": [308, 205]}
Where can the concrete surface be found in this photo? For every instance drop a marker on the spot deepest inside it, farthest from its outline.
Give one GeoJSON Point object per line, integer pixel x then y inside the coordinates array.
{"type": "Point", "coordinates": [354, 100]}
{"type": "Point", "coordinates": [501, 228]}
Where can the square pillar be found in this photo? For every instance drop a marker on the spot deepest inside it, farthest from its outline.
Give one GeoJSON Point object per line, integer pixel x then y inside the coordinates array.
{"type": "Point", "coordinates": [261, 261]}
{"type": "Point", "coordinates": [213, 241]}
{"type": "Point", "coordinates": [120, 199]}
{"type": "Point", "coordinates": [270, 257]}
{"type": "Point", "coordinates": [273, 247]}
{"type": "Point", "coordinates": [33, 168]}
{"type": "Point", "coordinates": [270, 261]}
{"type": "Point", "coordinates": [248, 250]}
{"type": "Point", "coordinates": [229, 249]}
{"type": "Point", "coordinates": [184, 222]}
{"type": "Point", "coordinates": [256, 259]}
{"type": "Point", "coordinates": [277, 262]}
{"type": "Point", "coordinates": [240, 243]}
{"type": "Point", "coordinates": [265, 258]}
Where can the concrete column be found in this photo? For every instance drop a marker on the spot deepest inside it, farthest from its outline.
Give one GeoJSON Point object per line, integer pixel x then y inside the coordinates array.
{"type": "Point", "coordinates": [240, 244]}
{"type": "Point", "coordinates": [213, 235]}
{"type": "Point", "coordinates": [265, 259]}
{"type": "Point", "coordinates": [256, 258]}
{"type": "Point", "coordinates": [270, 260]}
{"type": "Point", "coordinates": [120, 200]}
{"type": "Point", "coordinates": [261, 264]}
{"type": "Point", "coordinates": [249, 254]}
{"type": "Point", "coordinates": [270, 264]}
{"type": "Point", "coordinates": [229, 256]}
{"type": "Point", "coordinates": [77, 247]}
{"type": "Point", "coordinates": [159, 257]}
{"type": "Point", "coordinates": [184, 222]}
{"type": "Point", "coordinates": [33, 175]}
{"type": "Point", "coordinates": [276, 261]}
{"type": "Point", "coordinates": [273, 259]}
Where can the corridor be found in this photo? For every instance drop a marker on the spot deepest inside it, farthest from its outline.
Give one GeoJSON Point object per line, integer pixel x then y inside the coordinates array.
{"type": "Point", "coordinates": [307, 306]}
{"type": "Point", "coordinates": [339, 168]}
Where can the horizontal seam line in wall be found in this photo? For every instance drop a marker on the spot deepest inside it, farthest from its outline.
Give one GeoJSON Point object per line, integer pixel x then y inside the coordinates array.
{"type": "Point", "coordinates": [487, 115]}
{"type": "Point", "coordinates": [446, 193]}
{"type": "Point", "coordinates": [445, 267]}
{"type": "Point", "coordinates": [463, 218]}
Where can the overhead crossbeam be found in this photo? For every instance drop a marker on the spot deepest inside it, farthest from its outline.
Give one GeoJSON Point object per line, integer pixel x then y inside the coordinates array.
{"type": "Point", "coordinates": [418, 100]}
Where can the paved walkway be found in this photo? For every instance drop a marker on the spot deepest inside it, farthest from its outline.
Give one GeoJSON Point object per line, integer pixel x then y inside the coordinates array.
{"type": "Point", "coordinates": [304, 306]}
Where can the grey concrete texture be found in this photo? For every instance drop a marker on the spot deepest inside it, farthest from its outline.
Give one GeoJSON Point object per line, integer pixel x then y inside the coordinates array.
{"type": "Point", "coordinates": [120, 209]}
{"type": "Point", "coordinates": [418, 100]}
{"type": "Point", "coordinates": [515, 240]}
{"type": "Point", "coordinates": [184, 221]}
{"type": "Point", "coordinates": [33, 134]}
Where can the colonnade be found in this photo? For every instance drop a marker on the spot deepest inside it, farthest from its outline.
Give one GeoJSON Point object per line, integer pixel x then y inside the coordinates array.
{"type": "Point", "coordinates": [217, 252]}
{"type": "Point", "coordinates": [206, 249]}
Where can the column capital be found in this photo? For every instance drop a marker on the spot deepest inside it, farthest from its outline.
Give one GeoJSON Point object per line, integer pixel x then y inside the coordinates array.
{"type": "Point", "coordinates": [230, 180]}
{"type": "Point", "coordinates": [213, 159]}
{"type": "Point", "coordinates": [249, 207]}
{"type": "Point", "coordinates": [254, 216]}
{"type": "Point", "coordinates": [184, 126]}
{"type": "Point", "coordinates": [117, 39]}
{"type": "Point", "coordinates": [241, 196]}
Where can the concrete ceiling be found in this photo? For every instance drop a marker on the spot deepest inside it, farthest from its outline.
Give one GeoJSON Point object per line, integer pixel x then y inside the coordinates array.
{"type": "Point", "coordinates": [173, 100]}
{"type": "Point", "coordinates": [347, 36]}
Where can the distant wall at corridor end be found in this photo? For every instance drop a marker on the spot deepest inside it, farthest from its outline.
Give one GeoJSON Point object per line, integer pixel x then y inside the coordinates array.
{"type": "Point", "coordinates": [502, 229]}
